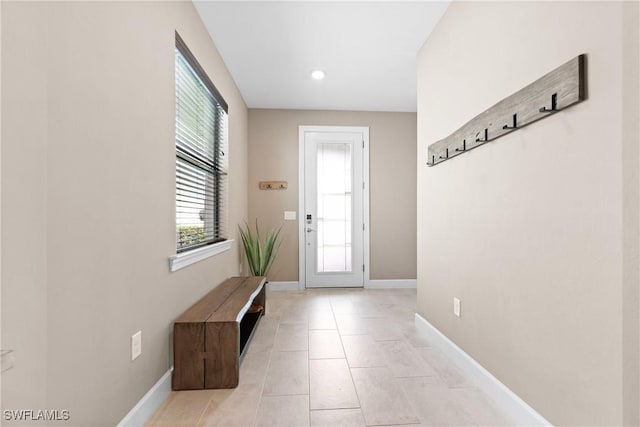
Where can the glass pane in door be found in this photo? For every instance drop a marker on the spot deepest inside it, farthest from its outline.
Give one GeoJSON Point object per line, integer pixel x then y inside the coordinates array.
{"type": "Point", "coordinates": [334, 208]}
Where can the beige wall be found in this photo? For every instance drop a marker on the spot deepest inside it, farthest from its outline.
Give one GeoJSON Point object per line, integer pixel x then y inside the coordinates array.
{"type": "Point", "coordinates": [273, 155]}
{"type": "Point", "coordinates": [24, 137]}
{"type": "Point", "coordinates": [535, 232]}
{"type": "Point", "coordinates": [631, 213]}
{"type": "Point", "coordinates": [1, 347]}
{"type": "Point", "coordinates": [88, 157]}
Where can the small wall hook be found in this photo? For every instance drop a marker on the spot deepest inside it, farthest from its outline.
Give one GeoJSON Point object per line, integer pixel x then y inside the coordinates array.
{"type": "Point", "coordinates": [514, 125]}
{"type": "Point", "coordinates": [486, 136]}
{"type": "Point", "coordinates": [272, 185]}
{"type": "Point", "coordinates": [464, 146]}
{"type": "Point", "coordinates": [554, 105]}
{"type": "Point", "coordinates": [446, 154]}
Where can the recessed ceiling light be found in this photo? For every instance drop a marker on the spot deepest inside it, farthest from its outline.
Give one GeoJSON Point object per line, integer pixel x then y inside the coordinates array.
{"type": "Point", "coordinates": [318, 75]}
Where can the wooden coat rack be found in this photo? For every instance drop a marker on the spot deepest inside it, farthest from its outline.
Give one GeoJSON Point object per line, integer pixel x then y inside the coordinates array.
{"type": "Point", "coordinates": [273, 185]}
{"type": "Point", "coordinates": [553, 92]}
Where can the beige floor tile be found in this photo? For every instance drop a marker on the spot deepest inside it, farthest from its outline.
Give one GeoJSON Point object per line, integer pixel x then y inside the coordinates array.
{"type": "Point", "coordinates": [321, 319]}
{"type": "Point", "coordinates": [343, 306]}
{"type": "Point", "coordinates": [317, 301]}
{"type": "Point", "coordinates": [162, 423]}
{"type": "Point", "coordinates": [325, 344]}
{"type": "Point", "coordinates": [292, 337]}
{"type": "Point", "coordinates": [288, 374]}
{"type": "Point", "coordinates": [264, 336]}
{"type": "Point", "coordinates": [438, 405]}
{"type": "Point", "coordinates": [268, 324]}
{"type": "Point", "coordinates": [331, 386]}
{"type": "Point", "coordinates": [405, 323]}
{"type": "Point", "coordinates": [337, 418]}
{"type": "Point", "coordinates": [363, 352]}
{"type": "Point", "coordinates": [405, 425]}
{"type": "Point", "coordinates": [401, 315]}
{"type": "Point", "coordinates": [283, 411]}
{"type": "Point", "coordinates": [404, 360]}
{"type": "Point", "coordinates": [296, 315]}
{"type": "Point", "coordinates": [351, 324]}
{"type": "Point", "coordinates": [416, 339]}
{"type": "Point", "coordinates": [276, 306]}
{"type": "Point", "coordinates": [366, 309]}
{"type": "Point", "coordinates": [381, 397]}
{"type": "Point", "coordinates": [376, 349]}
{"type": "Point", "coordinates": [182, 408]}
{"type": "Point", "coordinates": [384, 330]}
{"type": "Point", "coordinates": [445, 369]}
{"type": "Point", "coordinates": [231, 408]}
{"type": "Point", "coordinates": [253, 370]}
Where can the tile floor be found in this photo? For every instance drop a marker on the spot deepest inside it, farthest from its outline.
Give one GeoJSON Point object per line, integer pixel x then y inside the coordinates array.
{"type": "Point", "coordinates": [338, 357]}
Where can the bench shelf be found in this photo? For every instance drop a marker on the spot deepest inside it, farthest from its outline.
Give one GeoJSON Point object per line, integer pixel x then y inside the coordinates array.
{"type": "Point", "coordinates": [210, 338]}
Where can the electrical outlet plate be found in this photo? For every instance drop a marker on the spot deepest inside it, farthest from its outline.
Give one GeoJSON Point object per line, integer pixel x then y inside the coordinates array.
{"type": "Point", "coordinates": [456, 306]}
{"type": "Point", "coordinates": [290, 215]}
{"type": "Point", "coordinates": [136, 345]}
{"type": "Point", "coordinates": [8, 359]}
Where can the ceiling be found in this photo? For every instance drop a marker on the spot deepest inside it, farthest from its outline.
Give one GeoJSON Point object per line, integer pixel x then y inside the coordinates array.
{"type": "Point", "coordinates": [367, 50]}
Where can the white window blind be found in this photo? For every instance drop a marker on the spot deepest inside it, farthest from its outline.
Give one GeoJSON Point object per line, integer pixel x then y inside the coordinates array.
{"type": "Point", "coordinates": [201, 155]}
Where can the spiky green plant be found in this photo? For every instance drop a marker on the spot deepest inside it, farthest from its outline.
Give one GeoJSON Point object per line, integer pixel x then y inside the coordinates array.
{"type": "Point", "coordinates": [260, 254]}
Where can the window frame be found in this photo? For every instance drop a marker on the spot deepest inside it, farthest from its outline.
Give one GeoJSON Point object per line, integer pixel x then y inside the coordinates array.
{"type": "Point", "coordinates": [218, 242]}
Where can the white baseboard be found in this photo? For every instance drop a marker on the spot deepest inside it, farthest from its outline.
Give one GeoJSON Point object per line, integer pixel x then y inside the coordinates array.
{"type": "Point", "coordinates": [150, 402]}
{"type": "Point", "coordinates": [370, 284]}
{"type": "Point", "coordinates": [282, 286]}
{"type": "Point", "coordinates": [391, 284]}
{"type": "Point", "coordinates": [517, 409]}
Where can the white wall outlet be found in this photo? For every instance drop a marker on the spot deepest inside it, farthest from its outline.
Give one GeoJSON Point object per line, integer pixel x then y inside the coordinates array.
{"type": "Point", "coordinates": [290, 215]}
{"type": "Point", "coordinates": [136, 345]}
{"type": "Point", "coordinates": [456, 306]}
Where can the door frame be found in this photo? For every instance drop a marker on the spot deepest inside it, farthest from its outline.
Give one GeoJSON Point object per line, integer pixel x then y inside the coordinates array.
{"type": "Point", "coordinates": [364, 130]}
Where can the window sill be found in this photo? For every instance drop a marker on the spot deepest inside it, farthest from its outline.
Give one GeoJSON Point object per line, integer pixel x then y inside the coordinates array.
{"type": "Point", "coordinates": [184, 259]}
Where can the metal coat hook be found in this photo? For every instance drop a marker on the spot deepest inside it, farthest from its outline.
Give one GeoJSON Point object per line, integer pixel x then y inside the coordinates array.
{"type": "Point", "coordinates": [554, 105]}
{"type": "Point", "coordinates": [464, 146]}
{"type": "Point", "coordinates": [486, 136]}
{"type": "Point", "coordinates": [446, 154]}
{"type": "Point", "coordinates": [514, 125]}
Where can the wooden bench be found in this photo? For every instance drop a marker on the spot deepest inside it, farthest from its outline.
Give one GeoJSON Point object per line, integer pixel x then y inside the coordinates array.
{"type": "Point", "coordinates": [210, 338]}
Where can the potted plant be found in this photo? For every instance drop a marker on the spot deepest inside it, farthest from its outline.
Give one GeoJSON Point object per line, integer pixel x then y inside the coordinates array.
{"type": "Point", "coordinates": [260, 253]}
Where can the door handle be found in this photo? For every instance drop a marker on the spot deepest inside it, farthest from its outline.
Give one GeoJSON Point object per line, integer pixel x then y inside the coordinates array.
{"type": "Point", "coordinates": [309, 229]}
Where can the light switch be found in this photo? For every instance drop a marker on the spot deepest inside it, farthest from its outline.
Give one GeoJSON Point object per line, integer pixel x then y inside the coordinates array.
{"type": "Point", "coordinates": [290, 215]}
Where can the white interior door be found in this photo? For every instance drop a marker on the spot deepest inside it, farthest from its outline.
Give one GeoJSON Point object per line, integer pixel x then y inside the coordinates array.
{"type": "Point", "coordinates": [333, 214]}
